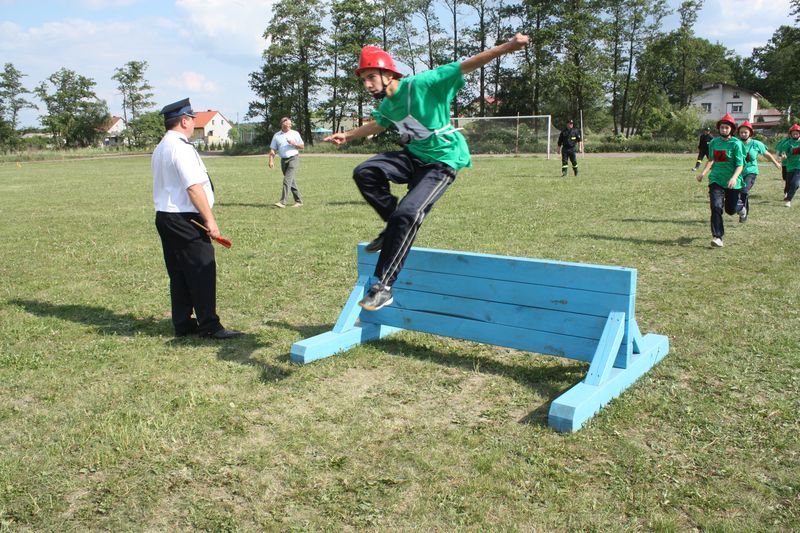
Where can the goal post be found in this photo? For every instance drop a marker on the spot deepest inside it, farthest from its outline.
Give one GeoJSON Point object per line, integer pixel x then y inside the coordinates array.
{"type": "Point", "coordinates": [521, 134]}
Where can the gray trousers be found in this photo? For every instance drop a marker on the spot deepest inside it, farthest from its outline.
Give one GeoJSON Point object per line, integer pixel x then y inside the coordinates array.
{"type": "Point", "coordinates": [289, 167]}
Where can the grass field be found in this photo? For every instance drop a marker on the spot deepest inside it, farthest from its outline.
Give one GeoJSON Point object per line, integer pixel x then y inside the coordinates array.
{"type": "Point", "coordinates": [108, 423]}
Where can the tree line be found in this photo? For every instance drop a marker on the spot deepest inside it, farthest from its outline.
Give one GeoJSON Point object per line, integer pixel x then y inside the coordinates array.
{"type": "Point", "coordinates": [611, 59]}
{"type": "Point", "coordinates": [73, 114]}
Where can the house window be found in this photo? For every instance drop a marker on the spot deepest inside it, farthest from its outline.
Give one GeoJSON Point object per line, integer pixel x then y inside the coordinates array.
{"type": "Point", "coordinates": [735, 107]}
{"type": "Point", "coordinates": [706, 107]}
{"type": "Point", "coordinates": [736, 94]}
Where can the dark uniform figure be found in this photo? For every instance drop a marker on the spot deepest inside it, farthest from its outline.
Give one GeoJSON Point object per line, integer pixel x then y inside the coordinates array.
{"type": "Point", "coordinates": [702, 147]}
{"type": "Point", "coordinates": [568, 142]}
{"type": "Point", "coordinates": [183, 192]}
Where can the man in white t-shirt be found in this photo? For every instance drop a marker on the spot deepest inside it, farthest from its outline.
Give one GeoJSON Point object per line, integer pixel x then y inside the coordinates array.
{"type": "Point", "coordinates": [182, 191]}
{"type": "Point", "coordinates": [288, 144]}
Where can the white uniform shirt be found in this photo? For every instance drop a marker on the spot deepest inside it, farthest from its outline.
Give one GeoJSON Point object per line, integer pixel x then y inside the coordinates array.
{"type": "Point", "coordinates": [176, 167]}
{"type": "Point", "coordinates": [280, 143]}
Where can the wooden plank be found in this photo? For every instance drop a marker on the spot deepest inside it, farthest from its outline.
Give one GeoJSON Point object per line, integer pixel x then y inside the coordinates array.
{"type": "Point", "coordinates": [518, 316]}
{"type": "Point", "coordinates": [572, 409]}
{"type": "Point", "coordinates": [568, 346]}
{"type": "Point", "coordinates": [607, 349]}
{"type": "Point", "coordinates": [554, 273]}
{"type": "Point", "coordinates": [556, 298]}
{"type": "Point", "coordinates": [351, 310]}
{"type": "Point", "coordinates": [330, 342]}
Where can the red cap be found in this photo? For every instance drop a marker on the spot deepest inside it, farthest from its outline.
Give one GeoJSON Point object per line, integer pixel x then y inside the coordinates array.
{"type": "Point", "coordinates": [374, 57]}
{"type": "Point", "coordinates": [746, 124]}
{"type": "Point", "coordinates": [727, 119]}
{"type": "Point", "coordinates": [795, 127]}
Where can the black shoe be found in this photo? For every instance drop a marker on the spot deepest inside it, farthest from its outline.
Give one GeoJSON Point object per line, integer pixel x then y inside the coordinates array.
{"type": "Point", "coordinates": [375, 245]}
{"type": "Point", "coordinates": [224, 334]}
{"type": "Point", "coordinates": [377, 297]}
{"type": "Point", "coordinates": [564, 174]}
{"type": "Point", "coordinates": [575, 170]}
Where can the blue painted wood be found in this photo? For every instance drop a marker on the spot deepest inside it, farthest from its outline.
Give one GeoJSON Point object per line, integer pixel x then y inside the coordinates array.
{"type": "Point", "coordinates": [572, 310]}
{"type": "Point", "coordinates": [330, 343]}
{"type": "Point", "coordinates": [349, 315]}
{"type": "Point", "coordinates": [594, 303]}
{"type": "Point", "coordinates": [518, 316]}
{"type": "Point", "coordinates": [553, 273]}
{"type": "Point", "coordinates": [571, 347]}
{"type": "Point", "coordinates": [572, 409]}
{"type": "Point", "coordinates": [607, 349]}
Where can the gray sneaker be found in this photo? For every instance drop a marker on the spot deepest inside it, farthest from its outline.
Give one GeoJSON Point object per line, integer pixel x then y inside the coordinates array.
{"type": "Point", "coordinates": [377, 297]}
{"type": "Point", "coordinates": [716, 241]}
{"type": "Point", "coordinates": [743, 215]}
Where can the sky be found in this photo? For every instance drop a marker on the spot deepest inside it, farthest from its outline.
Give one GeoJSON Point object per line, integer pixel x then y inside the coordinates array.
{"type": "Point", "coordinates": [206, 49]}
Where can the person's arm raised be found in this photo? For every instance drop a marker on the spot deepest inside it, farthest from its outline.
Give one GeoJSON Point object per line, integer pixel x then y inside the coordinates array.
{"type": "Point", "coordinates": [518, 42]}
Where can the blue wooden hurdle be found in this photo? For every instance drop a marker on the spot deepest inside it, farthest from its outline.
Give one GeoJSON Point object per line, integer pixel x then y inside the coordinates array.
{"type": "Point", "coordinates": [572, 310]}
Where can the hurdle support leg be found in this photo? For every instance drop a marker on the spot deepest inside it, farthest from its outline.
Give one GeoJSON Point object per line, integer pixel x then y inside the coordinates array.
{"type": "Point", "coordinates": [603, 381]}
{"type": "Point", "coordinates": [346, 333]}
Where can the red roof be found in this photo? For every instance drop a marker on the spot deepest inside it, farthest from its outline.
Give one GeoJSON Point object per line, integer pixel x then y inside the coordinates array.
{"type": "Point", "coordinates": [204, 117]}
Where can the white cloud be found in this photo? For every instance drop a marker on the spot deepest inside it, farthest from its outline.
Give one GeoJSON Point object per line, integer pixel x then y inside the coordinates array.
{"type": "Point", "coordinates": [229, 27]}
{"type": "Point", "coordinates": [193, 82]}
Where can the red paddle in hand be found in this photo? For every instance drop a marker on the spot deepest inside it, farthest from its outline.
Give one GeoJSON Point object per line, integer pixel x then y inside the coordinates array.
{"type": "Point", "coordinates": [222, 240]}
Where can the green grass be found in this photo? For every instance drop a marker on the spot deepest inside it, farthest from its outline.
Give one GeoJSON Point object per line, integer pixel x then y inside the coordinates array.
{"type": "Point", "coordinates": [108, 423]}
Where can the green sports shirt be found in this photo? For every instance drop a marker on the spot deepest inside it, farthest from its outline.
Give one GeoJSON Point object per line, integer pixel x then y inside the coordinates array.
{"type": "Point", "coordinates": [752, 149]}
{"type": "Point", "coordinates": [726, 155]}
{"type": "Point", "coordinates": [425, 112]}
{"type": "Point", "coordinates": [792, 150]}
{"type": "Point", "coordinates": [779, 148]}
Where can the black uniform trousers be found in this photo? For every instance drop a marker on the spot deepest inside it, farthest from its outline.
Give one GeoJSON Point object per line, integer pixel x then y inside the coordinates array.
{"type": "Point", "coordinates": [568, 154]}
{"type": "Point", "coordinates": [426, 182]}
{"type": "Point", "coordinates": [189, 257]}
{"type": "Point", "coordinates": [722, 199]}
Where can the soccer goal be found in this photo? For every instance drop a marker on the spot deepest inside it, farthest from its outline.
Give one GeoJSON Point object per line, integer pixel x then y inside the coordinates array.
{"type": "Point", "coordinates": [529, 134]}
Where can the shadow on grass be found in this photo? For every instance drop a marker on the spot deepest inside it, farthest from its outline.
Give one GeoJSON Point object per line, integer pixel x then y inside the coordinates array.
{"type": "Point", "coordinates": [305, 331]}
{"type": "Point", "coordinates": [346, 202]}
{"type": "Point", "coordinates": [546, 381]}
{"type": "Point", "coordinates": [681, 221]}
{"type": "Point", "coordinates": [239, 204]}
{"type": "Point", "coordinates": [680, 241]}
{"type": "Point", "coordinates": [107, 322]}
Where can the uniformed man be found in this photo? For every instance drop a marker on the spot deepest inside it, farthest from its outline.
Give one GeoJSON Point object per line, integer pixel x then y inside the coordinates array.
{"type": "Point", "coordinates": [182, 191]}
{"type": "Point", "coordinates": [568, 141]}
{"type": "Point", "coordinates": [702, 147]}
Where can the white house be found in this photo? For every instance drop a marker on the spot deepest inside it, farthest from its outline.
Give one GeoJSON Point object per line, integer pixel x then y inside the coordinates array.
{"type": "Point", "coordinates": [113, 132]}
{"type": "Point", "coordinates": [211, 127]}
{"type": "Point", "coordinates": [717, 99]}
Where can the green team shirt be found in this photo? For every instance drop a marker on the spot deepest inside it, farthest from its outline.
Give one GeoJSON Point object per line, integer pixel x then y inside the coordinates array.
{"type": "Point", "coordinates": [779, 149]}
{"type": "Point", "coordinates": [726, 155]}
{"type": "Point", "coordinates": [431, 94]}
{"type": "Point", "coordinates": [792, 150]}
{"type": "Point", "coordinates": [752, 149]}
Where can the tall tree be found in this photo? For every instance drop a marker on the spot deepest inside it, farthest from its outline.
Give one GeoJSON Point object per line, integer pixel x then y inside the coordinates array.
{"type": "Point", "coordinates": [779, 62]}
{"type": "Point", "coordinates": [136, 97]}
{"type": "Point", "coordinates": [292, 63]}
{"type": "Point", "coordinates": [75, 116]}
{"type": "Point", "coordinates": [12, 101]}
{"type": "Point", "coordinates": [579, 77]}
{"type": "Point", "coordinates": [630, 26]}
{"type": "Point", "coordinates": [434, 41]}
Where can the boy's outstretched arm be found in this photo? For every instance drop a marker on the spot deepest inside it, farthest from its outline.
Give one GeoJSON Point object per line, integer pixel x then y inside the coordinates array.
{"type": "Point", "coordinates": [518, 42]}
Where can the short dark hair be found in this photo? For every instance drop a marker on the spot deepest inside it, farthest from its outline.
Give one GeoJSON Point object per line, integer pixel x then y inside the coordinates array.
{"type": "Point", "coordinates": [170, 123]}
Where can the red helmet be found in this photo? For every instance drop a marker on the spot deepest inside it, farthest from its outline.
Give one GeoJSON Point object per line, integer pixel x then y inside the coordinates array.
{"type": "Point", "coordinates": [727, 119]}
{"type": "Point", "coordinates": [374, 57]}
{"type": "Point", "coordinates": [795, 127]}
{"type": "Point", "coordinates": [746, 124]}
